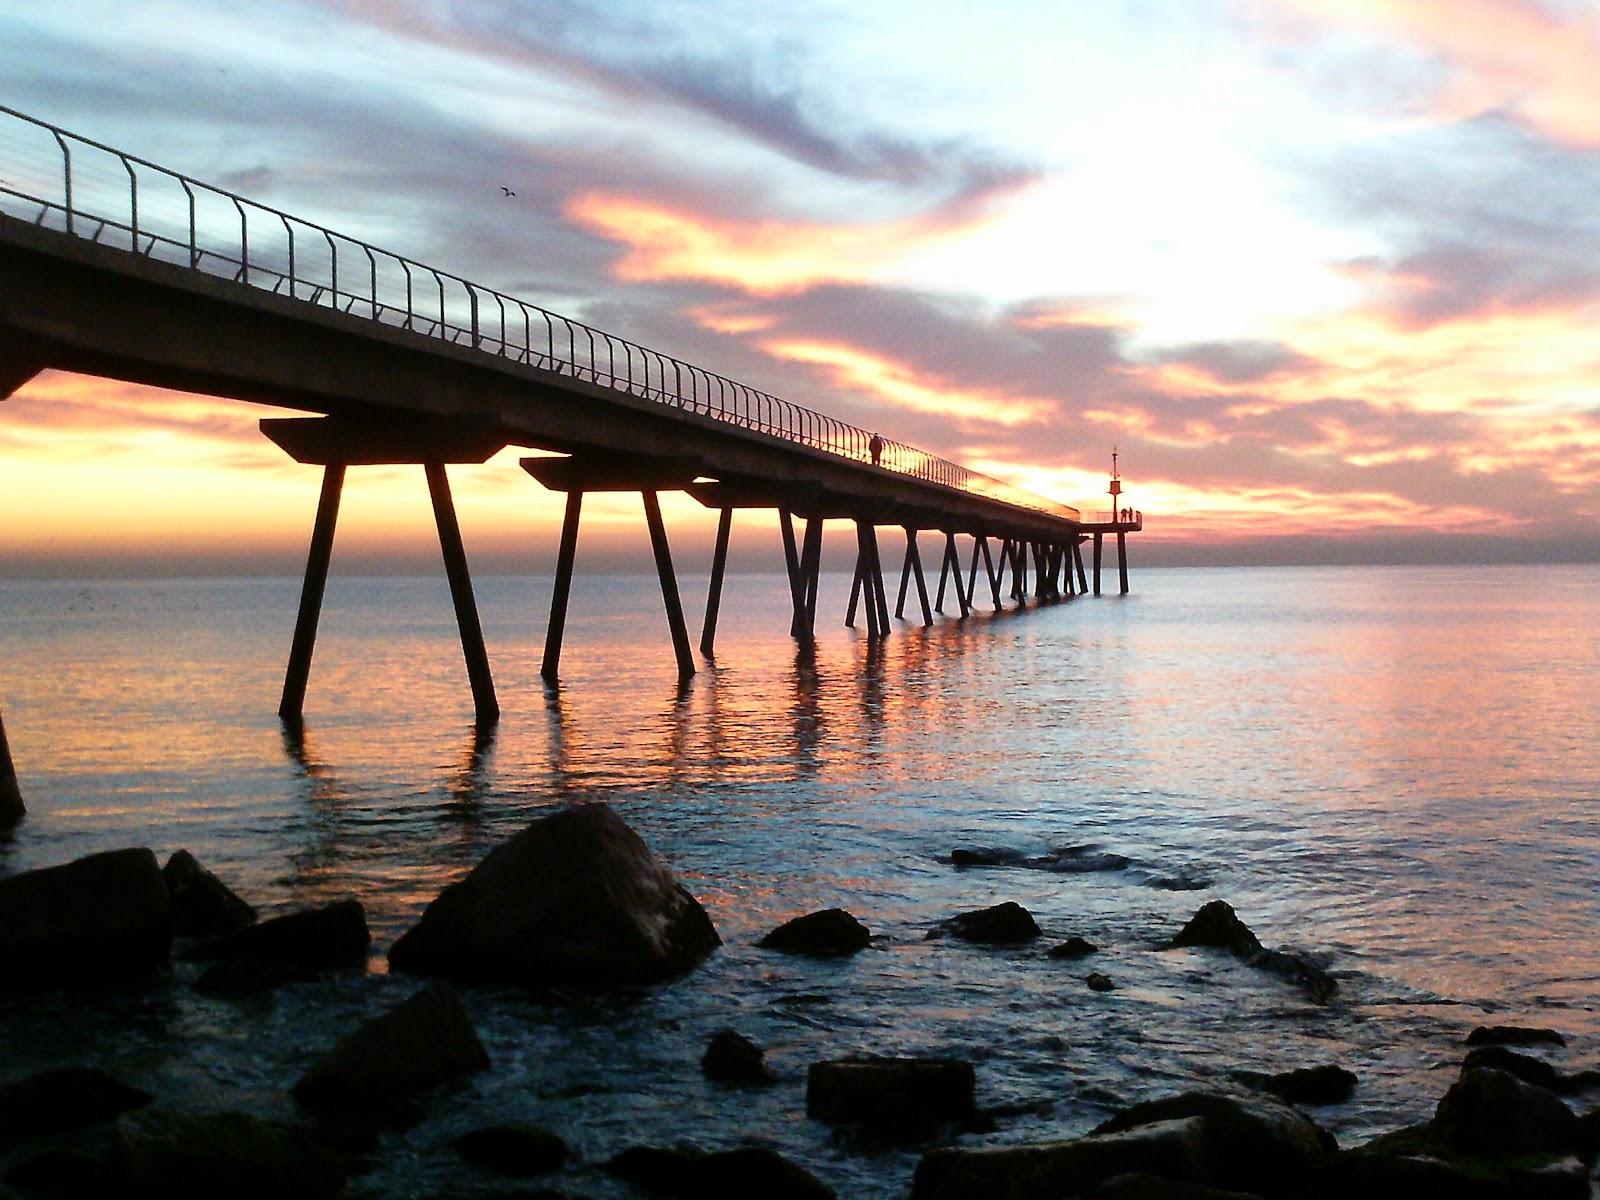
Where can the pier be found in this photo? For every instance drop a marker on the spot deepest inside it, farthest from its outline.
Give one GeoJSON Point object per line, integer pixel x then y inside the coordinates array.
{"type": "Point", "coordinates": [113, 266]}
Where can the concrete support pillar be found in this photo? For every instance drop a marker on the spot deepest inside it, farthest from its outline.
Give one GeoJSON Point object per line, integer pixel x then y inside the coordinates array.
{"type": "Point", "coordinates": [915, 555]}
{"type": "Point", "coordinates": [1122, 559]}
{"type": "Point", "coordinates": [669, 584]}
{"type": "Point", "coordinates": [1077, 558]}
{"type": "Point", "coordinates": [791, 563]}
{"type": "Point", "coordinates": [810, 569]}
{"type": "Point", "coordinates": [993, 575]}
{"type": "Point", "coordinates": [11, 807]}
{"type": "Point", "coordinates": [719, 564]}
{"type": "Point", "coordinates": [1097, 548]}
{"type": "Point", "coordinates": [554, 632]}
{"type": "Point", "coordinates": [455, 567]}
{"type": "Point", "coordinates": [291, 707]}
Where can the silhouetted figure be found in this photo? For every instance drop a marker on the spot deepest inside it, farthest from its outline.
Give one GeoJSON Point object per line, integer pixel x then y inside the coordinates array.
{"type": "Point", "coordinates": [875, 448]}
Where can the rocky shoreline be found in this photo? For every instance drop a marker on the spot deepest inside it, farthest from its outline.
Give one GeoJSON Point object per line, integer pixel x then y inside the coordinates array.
{"type": "Point", "coordinates": [578, 900]}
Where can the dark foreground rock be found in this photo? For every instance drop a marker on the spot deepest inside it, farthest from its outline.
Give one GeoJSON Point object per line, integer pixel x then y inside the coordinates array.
{"type": "Point", "coordinates": [1417, 1162]}
{"type": "Point", "coordinates": [1325, 1084]}
{"type": "Point", "coordinates": [1524, 1066]}
{"type": "Point", "coordinates": [1216, 924]}
{"type": "Point", "coordinates": [749, 1171]}
{"type": "Point", "coordinates": [1491, 1112]}
{"type": "Point", "coordinates": [161, 1155]}
{"type": "Point", "coordinates": [1513, 1035]}
{"type": "Point", "coordinates": [335, 935]}
{"type": "Point", "coordinates": [12, 809]}
{"type": "Point", "coordinates": [202, 905]}
{"type": "Point", "coordinates": [830, 933]}
{"type": "Point", "coordinates": [99, 919]}
{"type": "Point", "coordinates": [61, 1100]}
{"type": "Point", "coordinates": [1140, 1185]}
{"type": "Point", "coordinates": [1005, 924]}
{"type": "Point", "coordinates": [521, 1151]}
{"type": "Point", "coordinates": [577, 897]}
{"type": "Point", "coordinates": [891, 1094]}
{"type": "Point", "coordinates": [424, 1041]}
{"type": "Point", "coordinates": [246, 978]}
{"type": "Point", "coordinates": [1073, 947]}
{"type": "Point", "coordinates": [731, 1057]}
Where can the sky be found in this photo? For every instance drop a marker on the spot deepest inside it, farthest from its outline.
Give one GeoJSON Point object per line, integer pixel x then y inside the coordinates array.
{"type": "Point", "coordinates": [1326, 272]}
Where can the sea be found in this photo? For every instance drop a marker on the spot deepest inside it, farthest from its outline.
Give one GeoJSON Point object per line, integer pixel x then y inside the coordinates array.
{"type": "Point", "coordinates": [1394, 771]}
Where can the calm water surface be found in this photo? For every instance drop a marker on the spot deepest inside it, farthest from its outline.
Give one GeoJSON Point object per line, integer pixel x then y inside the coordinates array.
{"type": "Point", "coordinates": [1395, 769]}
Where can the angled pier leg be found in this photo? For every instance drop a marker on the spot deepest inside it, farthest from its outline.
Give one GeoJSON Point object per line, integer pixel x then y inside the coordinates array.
{"type": "Point", "coordinates": [669, 584]}
{"type": "Point", "coordinates": [963, 598]}
{"type": "Point", "coordinates": [292, 705]}
{"type": "Point", "coordinates": [855, 587]}
{"type": "Point", "coordinates": [944, 572]}
{"type": "Point", "coordinates": [1097, 547]}
{"type": "Point", "coordinates": [455, 567]}
{"type": "Point", "coordinates": [972, 575]}
{"type": "Point", "coordinates": [11, 806]}
{"type": "Point", "coordinates": [719, 564]}
{"type": "Point", "coordinates": [922, 584]}
{"type": "Point", "coordinates": [994, 577]}
{"type": "Point", "coordinates": [877, 578]}
{"type": "Point", "coordinates": [551, 667]}
{"type": "Point", "coordinates": [1122, 559]}
{"type": "Point", "coordinates": [791, 562]}
{"type": "Point", "coordinates": [1077, 558]}
{"type": "Point", "coordinates": [905, 573]}
{"type": "Point", "coordinates": [866, 576]}
{"type": "Point", "coordinates": [810, 568]}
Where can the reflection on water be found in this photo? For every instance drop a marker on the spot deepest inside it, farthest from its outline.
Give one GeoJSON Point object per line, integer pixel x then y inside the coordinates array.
{"type": "Point", "coordinates": [1395, 768]}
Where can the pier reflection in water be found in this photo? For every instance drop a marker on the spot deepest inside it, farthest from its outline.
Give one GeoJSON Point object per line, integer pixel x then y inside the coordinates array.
{"type": "Point", "coordinates": [1396, 768]}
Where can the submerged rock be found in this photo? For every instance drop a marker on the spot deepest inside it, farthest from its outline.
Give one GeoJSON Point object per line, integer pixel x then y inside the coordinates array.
{"type": "Point", "coordinates": [1524, 1066]}
{"type": "Point", "coordinates": [1216, 924]}
{"type": "Point", "coordinates": [99, 919]}
{"type": "Point", "coordinates": [334, 935]}
{"type": "Point", "coordinates": [1489, 1112]}
{"type": "Point", "coordinates": [1002, 925]}
{"type": "Point", "coordinates": [733, 1058]}
{"type": "Point", "coordinates": [1073, 947]}
{"type": "Point", "coordinates": [577, 897]}
{"type": "Point", "coordinates": [521, 1151]}
{"type": "Point", "coordinates": [421, 1042]}
{"type": "Point", "coordinates": [1100, 983]}
{"type": "Point", "coordinates": [1513, 1035]}
{"type": "Point", "coordinates": [63, 1099]}
{"type": "Point", "coordinates": [202, 905]}
{"type": "Point", "coordinates": [889, 1094]}
{"type": "Point", "coordinates": [1325, 1084]}
{"type": "Point", "coordinates": [826, 934]}
{"type": "Point", "coordinates": [695, 1175]}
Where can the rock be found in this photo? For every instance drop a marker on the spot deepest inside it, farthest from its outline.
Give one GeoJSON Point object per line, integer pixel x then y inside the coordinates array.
{"type": "Point", "coordinates": [1216, 924]}
{"type": "Point", "coordinates": [100, 919]}
{"type": "Point", "coordinates": [237, 980]}
{"type": "Point", "coordinates": [202, 905]}
{"type": "Point", "coordinates": [1418, 1161]}
{"type": "Point", "coordinates": [891, 1094]}
{"type": "Point", "coordinates": [1142, 1186]}
{"type": "Point", "coordinates": [1489, 1112]}
{"type": "Point", "coordinates": [517, 1150]}
{"type": "Point", "coordinates": [332, 936]}
{"type": "Point", "coordinates": [576, 897]}
{"type": "Point", "coordinates": [67, 1098]}
{"type": "Point", "coordinates": [1250, 1141]}
{"type": "Point", "coordinates": [1173, 1150]}
{"type": "Point", "coordinates": [64, 1175]}
{"type": "Point", "coordinates": [826, 934]}
{"type": "Point", "coordinates": [1066, 860]}
{"type": "Point", "coordinates": [1326, 1084]}
{"type": "Point", "coordinates": [1003, 925]}
{"type": "Point", "coordinates": [1513, 1035]}
{"type": "Point", "coordinates": [1073, 947]}
{"type": "Point", "coordinates": [695, 1175]}
{"type": "Point", "coordinates": [1100, 983]}
{"type": "Point", "coordinates": [1524, 1066]}
{"type": "Point", "coordinates": [733, 1058]}
{"type": "Point", "coordinates": [421, 1042]}
{"type": "Point", "coordinates": [12, 809]}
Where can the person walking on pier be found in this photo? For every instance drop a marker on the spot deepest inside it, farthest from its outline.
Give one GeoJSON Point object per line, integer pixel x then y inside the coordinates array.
{"type": "Point", "coordinates": [875, 448]}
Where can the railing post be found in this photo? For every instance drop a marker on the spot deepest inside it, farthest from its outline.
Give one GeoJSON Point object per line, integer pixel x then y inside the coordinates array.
{"type": "Point", "coordinates": [66, 176]}
{"type": "Point", "coordinates": [133, 205]}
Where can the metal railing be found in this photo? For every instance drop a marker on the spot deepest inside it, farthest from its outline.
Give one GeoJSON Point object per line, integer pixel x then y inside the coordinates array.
{"type": "Point", "coordinates": [57, 179]}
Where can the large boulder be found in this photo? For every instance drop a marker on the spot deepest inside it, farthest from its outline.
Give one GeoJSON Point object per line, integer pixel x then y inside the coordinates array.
{"type": "Point", "coordinates": [1491, 1112]}
{"type": "Point", "coordinates": [1514, 1035]}
{"type": "Point", "coordinates": [1005, 924]}
{"type": "Point", "coordinates": [1325, 1084]}
{"type": "Point", "coordinates": [102, 918]}
{"type": "Point", "coordinates": [694, 1175]}
{"type": "Point", "coordinates": [202, 905]}
{"type": "Point", "coordinates": [421, 1042]}
{"type": "Point", "coordinates": [891, 1093]}
{"type": "Point", "coordinates": [1420, 1161]}
{"type": "Point", "coordinates": [1524, 1066]}
{"type": "Point", "coordinates": [831, 933]}
{"type": "Point", "coordinates": [1249, 1141]}
{"type": "Point", "coordinates": [334, 935]}
{"type": "Point", "coordinates": [520, 1151]}
{"type": "Point", "coordinates": [63, 1099]}
{"type": "Point", "coordinates": [577, 897]}
{"type": "Point", "coordinates": [1043, 1171]}
{"type": "Point", "coordinates": [1141, 1185]}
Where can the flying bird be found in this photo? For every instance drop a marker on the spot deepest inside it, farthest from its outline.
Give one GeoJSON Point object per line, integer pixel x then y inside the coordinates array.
{"type": "Point", "coordinates": [507, 190]}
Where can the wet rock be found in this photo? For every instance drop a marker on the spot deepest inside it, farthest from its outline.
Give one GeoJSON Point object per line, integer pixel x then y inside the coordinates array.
{"type": "Point", "coordinates": [245, 978]}
{"type": "Point", "coordinates": [1216, 924]}
{"type": "Point", "coordinates": [521, 1151]}
{"type": "Point", "coordinates": [1513, 1035]}
{"type": "Point", "coordinates": [731, 1057]}
{"type": "Point", "coordinates": [99, 919]}
{"type": "Point", "coordinates": [1419, 1161]}
{"type": "Point", "coordinates": [1173, 1150]}
{"type": "Point", "coordinates": [891, 1094]}
{"type": "Point", "coordinates": [1524, 1066]}
{"type": "Point", "coordinates": [1073, 947]}
{"type": "Point", "coordinates": [424, 1041]}
{"type": "Point", "coordinates": [202, 905]}
{"type": "Point", "coordinates": [63, 1175]}
{"type": "Point", "coordinates": [1002, 925]}
{"type": "Point", "coordinates": [986, 856]}
{"type": "Point", "coordinates": [12, 809]}
{"type": "Point", "coordinates": [1066, 860]}
{"type": "Point", "coordinates": [826, 934]}
{"type": "Point", "coordinates": [332, 936]}
{"type": "Point", "coordinates": [1489, 1112]}
{"type": "Point", "coordinates": [1100, 983]}
{"type": "Point", "coordinates": [1144, 1186]}
{"type": "Point", "coordinates": [659, 1170]}
{"type": "Point", "coordinates": [1180, 883]}
{"type": "Point", "coordinates": [695, 1175]}
{"type": "Point", "coordinates": [576, 897]}
{"type": "Point", "coordinates": [1325, 1084]}
{"type": "Point", "coordinates": [1250, 1141]}
{"type": "Point", "coordinates": [64, 1099]}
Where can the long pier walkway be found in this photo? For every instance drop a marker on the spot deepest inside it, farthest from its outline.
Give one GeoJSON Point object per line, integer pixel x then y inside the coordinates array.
{"type": "Point", "coordinates": [111, 265]}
